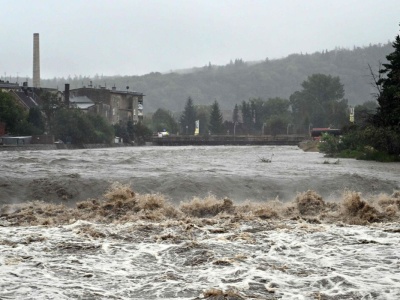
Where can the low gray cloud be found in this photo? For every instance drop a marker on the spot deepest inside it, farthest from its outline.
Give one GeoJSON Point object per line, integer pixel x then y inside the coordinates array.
{"type": "Point", "coordinates": [131, 37]}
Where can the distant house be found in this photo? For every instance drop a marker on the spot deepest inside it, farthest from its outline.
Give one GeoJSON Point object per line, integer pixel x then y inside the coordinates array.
{"type": "Point", "coordinates": [23, 95]}
{"type": "Point", "coordinates": [6, 86]}
{"type": "Point", "coordinates": [27, 97]}
{"type": "Point", "coordinates": [114, 105]}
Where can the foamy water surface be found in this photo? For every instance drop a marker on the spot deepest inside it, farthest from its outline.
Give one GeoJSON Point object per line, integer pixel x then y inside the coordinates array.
{"type": "Point", "coordinates": [217, 257]}
{"type": "Point", "coordinates": [164, 261]}
{"type": "Point", "coordinates": [184, 172]}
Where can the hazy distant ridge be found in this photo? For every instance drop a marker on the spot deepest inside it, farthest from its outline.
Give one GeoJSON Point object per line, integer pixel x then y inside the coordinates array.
{"type": "Point", "coordinates": [238, 81]}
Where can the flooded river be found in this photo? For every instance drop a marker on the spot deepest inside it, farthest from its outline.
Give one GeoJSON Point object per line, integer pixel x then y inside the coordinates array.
{"type": "Point", "coordinates": [197, 223]}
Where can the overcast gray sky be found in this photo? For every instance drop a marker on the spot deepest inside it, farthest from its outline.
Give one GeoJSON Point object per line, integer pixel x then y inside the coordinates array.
{"type": "Point", "coordinates": [135, 37]}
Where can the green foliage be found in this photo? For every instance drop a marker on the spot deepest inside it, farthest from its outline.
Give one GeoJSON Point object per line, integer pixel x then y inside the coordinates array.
{"type": "Point", "coordinates": [50, 105]}
{"type": "Point", "coordinates": [320, 102]}
{"type": "Point", "coordinates": [203, 115]}
{"type": "Point", "coordinates": [371, 143]}
{"type": "Point", "coordinates": [35, 118]}
{"type": "Point", "coordinates": [277, 124]}
{"type": "Point", "coordinates": [130, 130]}
{"type": "Point", "coordinates": [121, 131]}
{"type": "Point", "coordinates": [329, 145]}
{"type": "Point", "coordinates": [188, 118]}
{"type": "Point", "coordinates": [141, 133]}
{"type": "Point", "coordinates": [216, 124]}
{"type": "Point", "coordinates": [72, 125]}
{"type": "Point", "coordinates": [163, 119]}
{"type": "Point", "coordinates": [247, 116]}
{"type": "Point", "coordinates": [11, 114]}
{"type": "Point", "coordinates": [273, 112]}
{"type": "Point", "coordinates": [104, 132]}
{"type": "Point", "coordinates": [276, 106]}
{"type": "Point", "coordinates": [364, 113]}
{"type": "Point", "coordinates": [382, 139]}
{"type": "Point", "coordinates": [235, 114]}
{"type": "Point", "coordinates": [388, 114]}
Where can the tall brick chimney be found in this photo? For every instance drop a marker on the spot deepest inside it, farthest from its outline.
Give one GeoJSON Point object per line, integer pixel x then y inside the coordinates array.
{"type": "Point", "coordinates": [36, 61]}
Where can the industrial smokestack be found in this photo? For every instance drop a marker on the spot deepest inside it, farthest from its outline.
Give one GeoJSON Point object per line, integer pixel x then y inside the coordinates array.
{"type": "Point", "coordinates": [66, 94]}
{"type": "Point", "coordinates": [36, 61]}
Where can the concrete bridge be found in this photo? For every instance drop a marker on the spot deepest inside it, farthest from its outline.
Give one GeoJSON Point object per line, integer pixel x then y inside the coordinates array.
{"type": "Point", "coordinates": [182, 140]}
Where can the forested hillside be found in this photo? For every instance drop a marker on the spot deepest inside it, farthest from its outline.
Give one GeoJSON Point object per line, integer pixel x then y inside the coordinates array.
{"type": "Point", "coordinates": [239, 80]}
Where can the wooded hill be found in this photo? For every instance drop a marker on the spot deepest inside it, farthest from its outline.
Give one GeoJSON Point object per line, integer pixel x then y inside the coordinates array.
{"type": "Point", "coordinates": [239, 80]}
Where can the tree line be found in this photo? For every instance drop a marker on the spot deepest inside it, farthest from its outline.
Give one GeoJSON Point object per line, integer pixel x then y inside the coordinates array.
{"type": "Point", "coordinates": [239, 80]}
{"type": "Point", "coordinates": [320, 103]}
{"type": "Point", "coordinates": [377, 135]}
{"type": "Point", "coordinates": [70, 125]}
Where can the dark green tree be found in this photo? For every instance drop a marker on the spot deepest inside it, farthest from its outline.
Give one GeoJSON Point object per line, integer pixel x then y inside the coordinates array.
{"type": "Point", "coordinates": [163, 120]}
{"type": "Point", "coordinates": [50, 105]}
{"type": "Point", "coordinates": [35, 117]}
{"type": "Point", "coordinates": [320, 102]}
{"type": "Point", "coordinates": [216, 124]}
{"type": "Point", "coordinates": [141, 133]}
{"type": "Point", "coordinates": [388, 114]}
{"type": "Point", "coordinates": [130, 131]}
{"type": "Point", "coordinates": [203, 115]}
{"type": "Point", "coordinates": [11, 113]}
{"type": "Point", "coordinates": [276, 106]}
{"type": "Point", "coordinates": [247, 117]}
{"type": "Point", "coordinates": [188, 118]}
{"type": "Point", "coordinates": [235, 115]}
{"type": "Point", "coordinates": [364, 113]}
{"type": "Point", "coordinates": [121, 131]}
{"type": "Point", "coordinates": [72, 125]}
{"type": "Point", "coordinates": [277, 124]}
{"type": "Point", "coordinates": [257, 112]}
{"type": "Point", "coordinates": [103, 131]}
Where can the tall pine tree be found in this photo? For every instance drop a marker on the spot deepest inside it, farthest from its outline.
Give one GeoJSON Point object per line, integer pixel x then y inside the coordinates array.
{"type": "Point", "coordinates": [388, 114]}
{"type": "Point", "coordinates": [216, 126]}
{"type": "Point", "coordinates": [235, 115]}
{"type": "Point", "coordinates": [188, 118]}
{"type": "Point", "coordinates": [247, 116]}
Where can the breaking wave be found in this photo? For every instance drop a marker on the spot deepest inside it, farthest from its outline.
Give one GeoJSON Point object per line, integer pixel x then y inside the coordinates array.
{"type": "Point", "coordinates": [132, 246]}
{"type": "Point", "coordinates": [134, 224]}
{"type": "Point", "coordinates": [122, 204]}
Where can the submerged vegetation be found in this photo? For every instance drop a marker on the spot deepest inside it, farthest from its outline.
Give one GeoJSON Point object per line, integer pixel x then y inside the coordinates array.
{"type": "Point", "coordinates": [121, 204]}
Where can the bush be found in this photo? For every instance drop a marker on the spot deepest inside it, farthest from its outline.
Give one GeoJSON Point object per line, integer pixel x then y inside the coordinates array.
{"type": "Point", "coordinates": [329, 144]}
{"type": "Point", "coordinates": [75, 126]}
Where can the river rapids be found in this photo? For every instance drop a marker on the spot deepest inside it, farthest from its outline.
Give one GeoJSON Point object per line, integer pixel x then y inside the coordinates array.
{"type": "Point", "coordinates": [197, 223]}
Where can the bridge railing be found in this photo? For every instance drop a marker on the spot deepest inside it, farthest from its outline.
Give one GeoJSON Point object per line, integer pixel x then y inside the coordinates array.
{"type": "Point", "coordinates": [228, 139]}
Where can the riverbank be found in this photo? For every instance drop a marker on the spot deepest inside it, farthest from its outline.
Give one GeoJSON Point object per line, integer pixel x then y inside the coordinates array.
{"type": "Point", "coordinates": [309, 146]}
{"type": "Point", "coordinates": [36, 147]}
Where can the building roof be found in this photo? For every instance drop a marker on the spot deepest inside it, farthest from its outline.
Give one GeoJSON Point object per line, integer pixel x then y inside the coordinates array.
{"type": "Point", "coordinates": [8, 85]}
{"type": "Point", "coordinates": [27, 98]}
{"type": "Point", "coordinates": [127, 92]}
